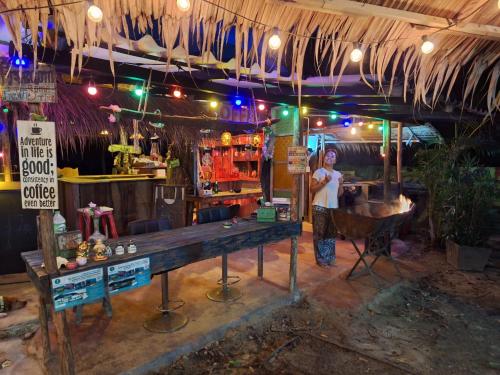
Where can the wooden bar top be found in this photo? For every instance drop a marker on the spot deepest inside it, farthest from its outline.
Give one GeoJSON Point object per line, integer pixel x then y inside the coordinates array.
{"type": "Point", "coordinates": [175, 248]}
{"type": "Point", "coordinates": [226, 195]}
{"type": "Point", "coordinates": [99, 179]}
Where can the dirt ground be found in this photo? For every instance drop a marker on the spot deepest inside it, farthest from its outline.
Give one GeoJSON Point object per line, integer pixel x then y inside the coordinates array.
{"type": "Point", "coordinates": [446, 323]}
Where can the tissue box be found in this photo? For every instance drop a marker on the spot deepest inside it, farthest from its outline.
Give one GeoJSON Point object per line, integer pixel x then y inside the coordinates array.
{"type": "Point", "coordinates": [266, 215]}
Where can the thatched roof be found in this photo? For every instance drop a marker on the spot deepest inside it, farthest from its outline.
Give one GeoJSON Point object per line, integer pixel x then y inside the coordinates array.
{"type": "Point", "coordinates": [467, 46]}
{"type": "Point", "coordinates": [79, 119]}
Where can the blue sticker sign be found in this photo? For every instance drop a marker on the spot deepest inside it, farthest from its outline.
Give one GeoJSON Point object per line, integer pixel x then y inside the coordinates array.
{"type": "Point", "coordinates": [128, 275]}
{"type": "Point", "coordinates": [77, 289]}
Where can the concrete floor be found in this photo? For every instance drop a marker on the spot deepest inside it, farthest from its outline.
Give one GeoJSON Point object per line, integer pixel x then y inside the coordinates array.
{"type": "Point", "coordinates": [121, 344]}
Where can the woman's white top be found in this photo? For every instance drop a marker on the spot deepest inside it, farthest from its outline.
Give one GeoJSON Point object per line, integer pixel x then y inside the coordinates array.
{"type": "Point", "coordinates": [327, 196]}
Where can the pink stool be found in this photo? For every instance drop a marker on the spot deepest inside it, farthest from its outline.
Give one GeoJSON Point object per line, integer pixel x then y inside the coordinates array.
{"type": "Point", "coordinates": [107, 221]}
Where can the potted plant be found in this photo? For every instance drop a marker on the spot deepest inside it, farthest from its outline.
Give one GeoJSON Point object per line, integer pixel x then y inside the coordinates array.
{"type": "Point", "coordinates": [460, 194]}
{"type": "Point", "coordinates": [466, 215]}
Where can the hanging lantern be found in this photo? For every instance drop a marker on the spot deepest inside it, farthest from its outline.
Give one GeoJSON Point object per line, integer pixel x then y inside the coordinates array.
{"type": "Point", "coordinates": [226, 138]}
{"type": "Point", "coordinates": [256, 140]}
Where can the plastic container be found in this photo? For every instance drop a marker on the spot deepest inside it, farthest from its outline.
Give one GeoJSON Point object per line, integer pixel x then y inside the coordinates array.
{"type": "Point", "coordinates": [59, 223]}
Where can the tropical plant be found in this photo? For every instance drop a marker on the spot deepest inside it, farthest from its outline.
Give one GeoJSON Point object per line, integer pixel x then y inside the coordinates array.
{"type": "Point", "coordinates": [460, 193]}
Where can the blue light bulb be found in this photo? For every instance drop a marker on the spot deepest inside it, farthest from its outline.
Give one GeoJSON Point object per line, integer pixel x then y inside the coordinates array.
{"type": "Point", "coordinates": [237, 102]}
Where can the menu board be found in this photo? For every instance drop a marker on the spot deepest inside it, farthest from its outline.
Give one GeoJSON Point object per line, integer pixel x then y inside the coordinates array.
{"type": "Point", "coordinates": [129, 275]}
{"type": "Point", "coordinates": [37, 164]}
{"type": "Point", "coordinates": [77, 289]}
{"type": "Point", "coordinates": [297, 159]}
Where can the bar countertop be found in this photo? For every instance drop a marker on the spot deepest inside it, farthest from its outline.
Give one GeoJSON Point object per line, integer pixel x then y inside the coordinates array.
{"type": "Point", "coordinates": [99, 179]}
{"type": "Point", "coordinates": [226, 195]}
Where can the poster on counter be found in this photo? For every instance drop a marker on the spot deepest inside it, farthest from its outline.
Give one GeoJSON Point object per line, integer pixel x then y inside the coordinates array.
{"type": "Point", "coordinates": [297, 159]}
{"type": "Point", "coordinates": [77, 288]}
{"type": "Point", "coordinates": [129, 275]}
{"type": "Point", "coordinates": [37, 164]}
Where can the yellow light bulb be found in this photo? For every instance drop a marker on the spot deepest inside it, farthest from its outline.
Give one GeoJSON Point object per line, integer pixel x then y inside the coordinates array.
{"type": "Point", "coordinates": [275, 42]}
{"type": "Point", "coordinates": [94, 13]}
{"type": "Point", "coordinates": [183, 5]}
{"type": "Point", "coordinates": [356, 55]}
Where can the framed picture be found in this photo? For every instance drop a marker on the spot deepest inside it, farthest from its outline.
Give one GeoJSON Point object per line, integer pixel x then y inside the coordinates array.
{"type": "Point", "coordinates": [67, 243]}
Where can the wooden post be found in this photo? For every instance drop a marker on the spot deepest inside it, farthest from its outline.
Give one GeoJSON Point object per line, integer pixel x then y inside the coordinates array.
{"type": "Point", "coordinates": [387, 160]}
{"type": "Point", "coordinates": [66, 360]}
{"type": "Point", "coordinates": [7, 165]}
{"type": "Point", "coordinates": [293, 266]}
{"type": "Point", "coordinates": [399, 157]}
{"type": "Point", "coordinates": [44, 327]}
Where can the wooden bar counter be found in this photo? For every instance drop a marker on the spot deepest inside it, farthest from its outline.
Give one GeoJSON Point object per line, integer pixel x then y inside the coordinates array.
{"type": "Point", "coordinates": [171, 249]}
{"type": "Point", "coordinates": [130, 196]}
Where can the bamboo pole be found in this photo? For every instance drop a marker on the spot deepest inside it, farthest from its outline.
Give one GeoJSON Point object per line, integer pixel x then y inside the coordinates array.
{"type": "Point", "coordinates": [387, 160]}
{"type": "Point", "coordinates": [7, 164]}
{"type": "Point", "coordinates": [399, 157]}
{"type": "Point", "coordinates": [294, 204]}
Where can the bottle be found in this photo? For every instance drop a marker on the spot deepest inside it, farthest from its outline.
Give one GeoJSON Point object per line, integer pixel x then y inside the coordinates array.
{"type": "Point", "coordinates": [216, 187]}
{"type": "Point", "coordinates": [59, 223]}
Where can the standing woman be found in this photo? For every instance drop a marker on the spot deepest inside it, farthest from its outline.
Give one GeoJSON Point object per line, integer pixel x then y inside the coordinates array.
{"type": "Point", "coordinates": [326, 185]}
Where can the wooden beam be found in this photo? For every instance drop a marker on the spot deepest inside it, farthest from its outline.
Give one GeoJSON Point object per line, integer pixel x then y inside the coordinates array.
{"type": "Point", "coordinates": [7, 165]}
{"type": "Point", "coordinates": [362, 9]}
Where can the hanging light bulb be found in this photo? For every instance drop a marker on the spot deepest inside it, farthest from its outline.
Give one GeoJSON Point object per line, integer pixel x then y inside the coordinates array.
{"type": "Point", "coordinates": [226, 138]}
{"type": "Point", "coordinates": [177, 93]}
{"type": "Point", "coordinates": [213, 104]}
{"type": "Point", "coordinates": [275, 42]}
{"type": "Point", "coordinates": [285, 112]}
{"type": "Point", "coordinates": [261, 107]}
{"type": "Point", "coordinates": [353, 131]}
{"type": "Point", "coordinates": [319, 123]}
{"type": "Point", "coordinates": [360, 123]}
{"type": "Point", "coordinates": [94, 13]}
{"type": "Point", "coordinates": [183, 5]}
{"type": "Point", "coordinates": [333, 116]}
{"type": "Point", "coordinates": [356, 54]}
{"type": "Point", "coordinates": [427, 46]}
{"type": "Point", "coordinates": [370, 126]}
{"type": "Point", "coordinates": [91, 89]}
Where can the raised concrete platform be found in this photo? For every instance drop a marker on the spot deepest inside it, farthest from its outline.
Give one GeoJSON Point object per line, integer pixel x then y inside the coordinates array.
{"type": "Point", "coordinates": [121, 344]}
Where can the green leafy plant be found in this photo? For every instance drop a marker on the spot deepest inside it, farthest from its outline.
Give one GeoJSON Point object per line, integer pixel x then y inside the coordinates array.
{"type": "Point", "coordinates": [460, 193]}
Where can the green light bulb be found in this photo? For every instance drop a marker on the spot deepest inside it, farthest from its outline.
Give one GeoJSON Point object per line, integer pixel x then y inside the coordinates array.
{"type": "Point", "coordinates": [285, 112]}
{"type": "Point", "coordinates": [138, 92]}
{"type": "Point", "coordinates": [333, 116]}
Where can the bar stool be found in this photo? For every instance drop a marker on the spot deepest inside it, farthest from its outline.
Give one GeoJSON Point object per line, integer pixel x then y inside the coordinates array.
{"type": "Point", "coordinates": [166, 319]}
{"type": "Point", "coordinates": [224, 293]}
{"type": "Point", "coordinates": [107, 221]}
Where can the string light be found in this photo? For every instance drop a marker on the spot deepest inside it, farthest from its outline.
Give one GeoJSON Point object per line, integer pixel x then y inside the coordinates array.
{"type": "Point", "coordinates": [274, 42]}
{"type": "Point", "coordinates": [353, 131]}
{"type": "Point", "coordinates": [333, 116]}
{"type": "Point", "coordinates": [1, 155]}
{"type": "Point", "coordinates": [138, 91]}
{"type": "Point", "coordinates": [356, 54]}
{"type": "Point", "coordinates": [380, 128]}
{"type": "Point", "coordinates": [347, 123]}
{"type": "Point", "coordinates": [104, 132]}
{"type": "Point", "coordinates": [319, 123]}
{"type": "Point", "coordinates": [177, 93]}
{"type": "Point", "coordinates": [213, 104]}
{"type": "Point", "coordinates": [427, 46]}
{"type": "Point", "coordinates": [261, 107]}
{"type": "Point", "coordinates": [91, 89]}
{"type": "Point", "coordinates": [304, 110]}
{"type": "Point", "coordinates": [238, 102]}
{"type": "Point", "coordinates": [360, 123]}
{"type": "Point", "coordinates": [94, 13]}
{"type": "Point", "coordinates": [370, 126]}
{"type": "Point", "coordinates": [285, 112]}
{"type": "Point", "coordinates": [183, 5]}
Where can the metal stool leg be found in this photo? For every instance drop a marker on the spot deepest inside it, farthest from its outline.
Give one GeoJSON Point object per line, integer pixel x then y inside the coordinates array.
{"type": "Point", "coordinates": [224, 293]}
{"type": "Point", "coordinates": [167, 320]}
{"type": "Point", "coordinates": [260, 261]}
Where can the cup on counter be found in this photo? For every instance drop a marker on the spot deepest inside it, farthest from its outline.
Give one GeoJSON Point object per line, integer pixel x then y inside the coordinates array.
{"type": "Point", "coordinates": [131, 248]}
{"type": "Point", "coordinates": [119, 249]}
